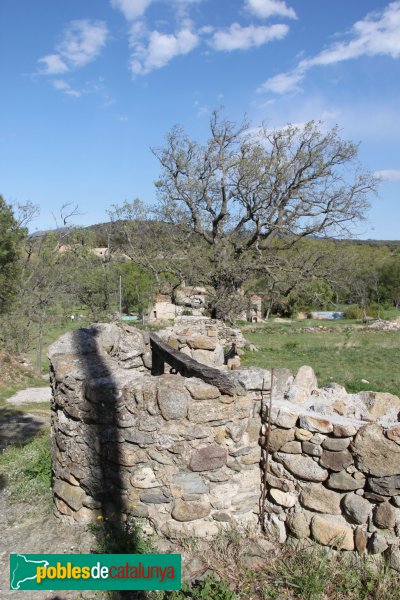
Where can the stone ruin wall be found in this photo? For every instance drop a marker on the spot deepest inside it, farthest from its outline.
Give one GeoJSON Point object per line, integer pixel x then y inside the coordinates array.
{"type": "Point", "coordinates": [190, 458]}
{"type": "Point", "coordinates": [172, 449]}
{"type": "Point", "coordinates": [334, 466]}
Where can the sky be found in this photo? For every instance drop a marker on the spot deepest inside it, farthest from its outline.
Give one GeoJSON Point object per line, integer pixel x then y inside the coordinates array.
{"type": "Point", "coordinates": [88, 87]}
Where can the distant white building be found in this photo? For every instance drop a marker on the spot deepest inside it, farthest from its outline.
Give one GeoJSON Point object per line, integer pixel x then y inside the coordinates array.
{"type": "Point", "coordinates": [185, 299]}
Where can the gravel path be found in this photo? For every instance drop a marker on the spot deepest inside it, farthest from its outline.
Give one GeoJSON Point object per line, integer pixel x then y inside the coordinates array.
{"type": "Point", "coordinates": [30, 395]}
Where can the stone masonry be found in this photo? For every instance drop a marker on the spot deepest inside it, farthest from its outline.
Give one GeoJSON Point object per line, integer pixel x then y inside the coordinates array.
{"type": "Point", "coordinates": [190, 458]}
{"type": "Point", "coordinates": [175, 450]}
{"type": "Point", "coordinates": [334, 466]}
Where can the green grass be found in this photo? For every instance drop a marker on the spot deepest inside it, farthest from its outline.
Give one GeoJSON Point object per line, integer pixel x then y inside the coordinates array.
{"type": "Point", "coordinates": [26, 471]}
{"type": "Point", "coordinates": [208, 588]}
{"type": "Point", "coordinates": [120, 538]}
{"type": "Point", "coordinates": [390, 313]}
{"type": "Point", "coordinates": [341, 353]}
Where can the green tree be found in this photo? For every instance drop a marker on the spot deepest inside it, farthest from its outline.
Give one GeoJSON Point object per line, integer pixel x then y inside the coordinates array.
{"type": "Point", "coordinates": [390, 280]}
{"type": "Point", "coordinates": [95, 283]}
{"type": "Point", "coordinates": [12, 235]}
{"type": "Point", "coordinates": [138, 287]}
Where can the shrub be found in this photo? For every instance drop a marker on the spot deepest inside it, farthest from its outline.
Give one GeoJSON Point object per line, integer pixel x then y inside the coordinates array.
{"type": "Point", "coordinates": [353, 312]}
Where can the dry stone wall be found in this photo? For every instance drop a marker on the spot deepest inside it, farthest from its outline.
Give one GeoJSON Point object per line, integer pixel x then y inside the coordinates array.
{"type": "Point", "coordinates": [190, 458]}
{"type": "Point", "coordinates": [334, 466]}
{"type": "Point", "coordinates": [172, 449]}
{"type": "Point", "coordinates": [203, 339]}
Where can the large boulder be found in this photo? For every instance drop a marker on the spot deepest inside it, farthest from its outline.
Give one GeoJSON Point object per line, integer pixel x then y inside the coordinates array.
{"type": "Point", "coordinates": [304, 383]}
{"type": "Point", "coordinates": [375, 454]}
{"type": "Point", "coordinates": [316, 497]}
{"type": "Point", "coordinates": [172, 397]}
{"type": "Point", "coordinates": [381, 404]}
{"type": "Point", "coordinates": [208, 458]}
{"type": "Point", "coordinates": [345, 481]}
{"type": "Point", "coordinates": [302, 466]}
{"type": "Point", "coordinates": [386, 486]}
{"type": "Point", "coordinates": [190, 511]}
{"type": "Point", "coordinates": [357, 508]}
{"type": "Point", "coordinates": [333, 531]}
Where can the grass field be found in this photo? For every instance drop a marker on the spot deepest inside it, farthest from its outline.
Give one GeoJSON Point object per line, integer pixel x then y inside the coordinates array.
{"type": "Point", "coordinates": [340, 351]}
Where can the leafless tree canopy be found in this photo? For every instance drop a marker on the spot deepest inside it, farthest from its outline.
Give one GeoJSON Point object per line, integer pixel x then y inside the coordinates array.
{"type": "Point", "coordinates": [246, 193]}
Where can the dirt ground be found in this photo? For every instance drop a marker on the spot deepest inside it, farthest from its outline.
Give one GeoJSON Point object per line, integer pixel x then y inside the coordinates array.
{"type": "Point", "coordinates": [31, 532]}
{"type": "Point", "coordinates": [28, 530]}
{"type": "Point", "coordinates": [23, 529]}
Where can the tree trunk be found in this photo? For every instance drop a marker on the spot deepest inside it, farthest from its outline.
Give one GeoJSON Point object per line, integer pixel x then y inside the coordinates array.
{"type": "Point", "coordinates": [40, 341]}
{"type": "Point", "coordinates": [39, 348]}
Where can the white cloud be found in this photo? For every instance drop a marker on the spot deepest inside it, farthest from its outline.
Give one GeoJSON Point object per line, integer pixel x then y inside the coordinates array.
{"type": "Point", "coordinates": [206, 30]}
{"type": "Point", "coordinates": [241, 38]}
{"type": "Point", "coordinates": [201, 109]}
{"type": "Point", "coordinates": [268, 8]}
{"type": "Point", "coordinates": [282, 83]}
{"type": "Point", "coordinates": [135, 9]}
{"type": "Point", "coordinates": [53, 65]}
{"type": "Point", "coordinates": [388, 174]}
{"type": "Point", "coordinates": [377, 34]}
{"type": "Point", "coordinates": [82, 42]}
{"type": "Point", "coordinates": [63, 86]}
{"type": "Point", "coordinates": [161, 49]}
{"type": "Point", "coordinates": [131, 9]}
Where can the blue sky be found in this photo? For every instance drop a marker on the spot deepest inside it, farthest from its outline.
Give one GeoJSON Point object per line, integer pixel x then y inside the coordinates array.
{"type": "Point", "coordinates": [88, 86]}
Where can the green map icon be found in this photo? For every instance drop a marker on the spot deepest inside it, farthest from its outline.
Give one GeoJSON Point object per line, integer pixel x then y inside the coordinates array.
{"type": "Point", "coordinates": [23, 570]}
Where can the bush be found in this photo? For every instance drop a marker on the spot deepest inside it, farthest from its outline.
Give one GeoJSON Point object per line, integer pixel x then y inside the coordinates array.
{"type": "Point", "coordinates": [14, 333]}
{"type": "Point", "coordinates": [353, 312]}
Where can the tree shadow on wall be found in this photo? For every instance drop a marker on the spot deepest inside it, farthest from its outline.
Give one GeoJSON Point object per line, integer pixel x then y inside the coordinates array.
{"type": "Point", "coordinates": [114, 534]}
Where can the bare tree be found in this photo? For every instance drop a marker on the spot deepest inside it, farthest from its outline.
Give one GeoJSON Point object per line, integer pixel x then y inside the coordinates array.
{"type": "Point", "coordinates": [246, 194]}
{"type": "Point", "coordinates": [43, 279]}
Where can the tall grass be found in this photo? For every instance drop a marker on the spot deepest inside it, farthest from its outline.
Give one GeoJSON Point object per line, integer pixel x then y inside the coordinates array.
{"type": "Point", "coordinates": [26, 471]}
{"type": "Point", "coordinates": [340, 353]}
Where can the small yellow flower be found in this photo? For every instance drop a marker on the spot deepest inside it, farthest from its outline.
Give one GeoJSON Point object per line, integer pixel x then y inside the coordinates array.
{"type": "Point", "coordinates": [99, 518]}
